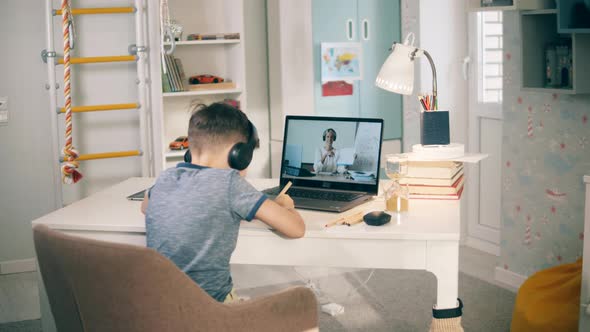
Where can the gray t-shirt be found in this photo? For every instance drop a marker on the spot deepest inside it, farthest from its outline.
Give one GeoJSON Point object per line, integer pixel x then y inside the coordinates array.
{"type": "Point", "coordinates": [193, 218]}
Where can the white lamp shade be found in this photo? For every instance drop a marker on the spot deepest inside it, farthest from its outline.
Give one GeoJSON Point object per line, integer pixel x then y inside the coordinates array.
{"type": "Point", "coordinates": [397, 73]}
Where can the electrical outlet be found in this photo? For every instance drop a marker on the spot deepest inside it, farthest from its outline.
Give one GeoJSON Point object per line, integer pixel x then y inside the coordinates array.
{"type": "Point", "coordinates": [3, 110]}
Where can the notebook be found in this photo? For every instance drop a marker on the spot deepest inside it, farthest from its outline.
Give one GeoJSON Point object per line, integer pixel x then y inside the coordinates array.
{"type": "Point", "coordinates": [348, 178]}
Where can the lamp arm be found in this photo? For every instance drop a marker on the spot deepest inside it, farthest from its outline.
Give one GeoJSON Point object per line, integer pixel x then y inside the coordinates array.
{"type": "Point", "coordinates": [433, 73]}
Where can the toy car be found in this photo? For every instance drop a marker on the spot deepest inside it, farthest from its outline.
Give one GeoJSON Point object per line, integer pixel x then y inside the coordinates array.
{"type": "Point", "coordinates": [204, 79]}
{"type": "Point", "coordinates": [180, 143]}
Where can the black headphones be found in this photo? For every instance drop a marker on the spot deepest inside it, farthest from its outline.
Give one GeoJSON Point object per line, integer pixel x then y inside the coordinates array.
{"type": "Point", "coordinates": [326, 132]}
{"type": "Point", "coordinates": [241, 153]}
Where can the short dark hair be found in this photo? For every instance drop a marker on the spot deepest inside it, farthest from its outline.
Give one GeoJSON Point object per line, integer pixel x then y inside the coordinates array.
{"type": "Point", "coordinates": [218, 123]}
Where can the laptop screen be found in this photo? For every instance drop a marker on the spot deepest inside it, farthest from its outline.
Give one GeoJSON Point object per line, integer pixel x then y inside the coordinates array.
{"type": "Point", "coordinates": [332, 152]}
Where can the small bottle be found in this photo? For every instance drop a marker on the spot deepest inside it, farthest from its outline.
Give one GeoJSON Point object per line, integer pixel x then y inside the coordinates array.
{"type": "Point", "coordinates": [550, 66]}
{"type": "Point", "coordinates": [562, 71]}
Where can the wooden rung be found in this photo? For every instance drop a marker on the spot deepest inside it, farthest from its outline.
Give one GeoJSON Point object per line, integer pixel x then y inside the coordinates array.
{"type": "Point", "coordinates": [106, 155]}
{"type": "Point", "coordinates": [96, 59]}
{"type": "Point", "coordinates": [86, 11]}
{"type": "Point", "coordinates": [95, 108]}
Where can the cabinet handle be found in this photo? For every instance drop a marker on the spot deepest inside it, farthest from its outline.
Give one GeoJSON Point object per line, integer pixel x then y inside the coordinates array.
{"type": "Point", "coordinates": [466, 61]}
{"type": "Point", "coordinates": [350, 29]}
{"type": "Point", "coordinates": [365, 28]}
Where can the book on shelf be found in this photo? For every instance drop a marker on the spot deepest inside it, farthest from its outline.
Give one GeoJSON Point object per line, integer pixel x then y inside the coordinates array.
{"type": "Point", "coordinates": [166, 87]}
{"type": "Point", "coordinates": [437, 190]}
{"type": "Point", "coordinates": [432, 181]}
{"type": "Point", "coordinates": [433, 169]}
{"type": "Point", "coordinates": [173, 74]}
{"type": "Point", "coordinates": [438, 197]}
{"type": "Point", "coordinates": [180, 68]}
{"type": "Point", "coordinates": [170, 73]}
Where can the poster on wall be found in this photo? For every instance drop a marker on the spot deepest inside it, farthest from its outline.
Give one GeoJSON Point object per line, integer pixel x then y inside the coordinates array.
{"type": "Point", "coordinates": [336, 88]}
{"type": "Point", "coordinates": [341, 61]}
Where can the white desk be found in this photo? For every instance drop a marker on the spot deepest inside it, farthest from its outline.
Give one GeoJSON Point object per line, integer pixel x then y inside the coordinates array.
{"type": "Point", "coordinates": [425, 238]}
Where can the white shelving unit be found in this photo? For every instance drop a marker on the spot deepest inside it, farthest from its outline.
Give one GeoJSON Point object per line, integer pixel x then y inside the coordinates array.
{"type": "Point", "coordinates": [223, 57]}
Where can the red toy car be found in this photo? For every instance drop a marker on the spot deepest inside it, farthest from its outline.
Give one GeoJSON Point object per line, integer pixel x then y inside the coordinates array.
{"type": "Point", "coordinates": [180, 143]}
{"type": "Point", "coordinates": [205, 79]}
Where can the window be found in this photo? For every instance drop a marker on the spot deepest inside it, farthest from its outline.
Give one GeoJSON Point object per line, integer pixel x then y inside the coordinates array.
{"type": "Point", "coordinates": [490, 56]}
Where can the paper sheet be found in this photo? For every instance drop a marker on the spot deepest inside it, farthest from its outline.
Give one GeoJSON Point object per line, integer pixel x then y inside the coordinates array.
{"type": "Point", "coordinates": [346, 157]}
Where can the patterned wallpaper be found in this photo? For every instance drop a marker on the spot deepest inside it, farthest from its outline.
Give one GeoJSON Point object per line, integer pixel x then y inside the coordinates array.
{"type": "Point", "coordinates": [545, 153]}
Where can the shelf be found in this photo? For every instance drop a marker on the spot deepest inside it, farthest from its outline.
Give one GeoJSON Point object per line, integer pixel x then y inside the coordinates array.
{"type": "Point", "coordinates": [539, 29]}
{"type": "Point", "coordinates": [174, 153]}
{"type": "Point", "coordinates": [475, 5]}
{"type": "Point", "coordinates": [202, 93]}
{"type": "Point", "coordinates": [540, 12]}
{"type": "Point", "coordinates": [205, 42]}
{"type": "Point", "coordinates": [568, 24]}
{"type": "Point", "coordinates": [562, 91]}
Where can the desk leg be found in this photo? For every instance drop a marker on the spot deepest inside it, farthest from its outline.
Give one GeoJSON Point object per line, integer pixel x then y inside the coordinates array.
{"type": "Point", "coordinates": [442, 259]}
{"type": "Point", "coordinates": [47, 322]}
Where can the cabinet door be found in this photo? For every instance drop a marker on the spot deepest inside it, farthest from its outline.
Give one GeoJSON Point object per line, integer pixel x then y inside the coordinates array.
{"type": "Point", "coordinates": [333, 21]}
{"type": "Point", "coordinates": [379, 27]}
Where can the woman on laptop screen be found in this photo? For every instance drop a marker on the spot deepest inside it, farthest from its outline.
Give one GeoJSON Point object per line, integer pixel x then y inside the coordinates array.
{"type": "Point", "coordinates": [326, 156]}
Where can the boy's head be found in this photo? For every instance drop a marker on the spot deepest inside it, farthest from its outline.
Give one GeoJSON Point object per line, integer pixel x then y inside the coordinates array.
{"type": "Point", "coordinates": [218, 126]}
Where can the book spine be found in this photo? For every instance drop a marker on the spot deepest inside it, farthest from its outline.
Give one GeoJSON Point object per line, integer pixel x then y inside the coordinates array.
{"type": "Point", "coordinates": [171, 76]}
{"type": "Point", "coordinates": [183, 80]}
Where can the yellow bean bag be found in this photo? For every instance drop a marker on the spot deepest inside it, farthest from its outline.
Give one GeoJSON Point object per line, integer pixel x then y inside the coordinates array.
{"type": "Point", "coordinates": [549, 300]}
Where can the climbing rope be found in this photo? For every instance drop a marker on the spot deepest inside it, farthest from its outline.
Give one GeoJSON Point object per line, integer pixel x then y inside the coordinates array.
{"type": "Point", "coordinates": [68, 169]}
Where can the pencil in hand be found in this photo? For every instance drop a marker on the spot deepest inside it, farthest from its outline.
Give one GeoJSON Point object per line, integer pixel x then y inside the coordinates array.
{"type": "Point", "coordinates": [285, 188]}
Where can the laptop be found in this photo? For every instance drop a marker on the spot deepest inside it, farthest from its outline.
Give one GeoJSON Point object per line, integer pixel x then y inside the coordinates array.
{"type": "Point", "coordinates": [349, 179]}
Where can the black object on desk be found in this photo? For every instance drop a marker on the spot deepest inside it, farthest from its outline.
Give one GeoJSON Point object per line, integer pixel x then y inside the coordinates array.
{"type": "Point", "coordinates": [376, 218]}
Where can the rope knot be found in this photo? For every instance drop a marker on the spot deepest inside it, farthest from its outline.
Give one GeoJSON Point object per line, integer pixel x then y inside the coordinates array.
{"type": "Point", "coordinates": [68, 169]}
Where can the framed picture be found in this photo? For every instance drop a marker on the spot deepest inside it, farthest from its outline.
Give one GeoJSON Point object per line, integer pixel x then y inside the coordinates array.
{"type": "Point", "coordinates": [341, 61]}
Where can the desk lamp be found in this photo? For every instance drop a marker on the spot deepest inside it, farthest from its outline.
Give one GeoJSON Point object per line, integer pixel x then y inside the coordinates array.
{"type": "Point", "coordinates": [397, 73]}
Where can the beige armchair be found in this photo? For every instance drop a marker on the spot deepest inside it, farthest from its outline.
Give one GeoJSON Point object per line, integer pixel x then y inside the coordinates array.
{"type": "Point", "coordinates": [103, 286]}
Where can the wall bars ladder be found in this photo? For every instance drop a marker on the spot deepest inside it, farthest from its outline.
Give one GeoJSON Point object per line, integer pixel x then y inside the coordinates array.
{"type": "Point", "coordinates": [137, 53]}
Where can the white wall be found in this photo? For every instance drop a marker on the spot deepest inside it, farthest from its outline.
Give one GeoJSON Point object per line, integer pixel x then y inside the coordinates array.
{"type": "Point", "coordinates": [257, 83]}
{"type": "Point", "coordinates": [26, 183]}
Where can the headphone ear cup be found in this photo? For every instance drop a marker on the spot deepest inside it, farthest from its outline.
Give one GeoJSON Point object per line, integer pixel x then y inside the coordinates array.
{"type": "Point", "coordinates": [187, 156]}
{"type": "Point", "coordinates": [240, 156]}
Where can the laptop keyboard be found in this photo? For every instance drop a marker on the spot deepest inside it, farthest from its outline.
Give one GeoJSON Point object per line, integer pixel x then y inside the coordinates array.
{"type": "Point", "coordinates": [316, 194]}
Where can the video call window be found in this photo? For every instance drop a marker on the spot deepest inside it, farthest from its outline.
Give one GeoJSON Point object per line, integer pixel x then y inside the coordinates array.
{"type": "Point", "coordinates": [339, 151]}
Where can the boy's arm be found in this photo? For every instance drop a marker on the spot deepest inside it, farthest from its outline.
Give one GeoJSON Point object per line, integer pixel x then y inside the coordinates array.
{"type": "Point", "coordinates": [282, 218]}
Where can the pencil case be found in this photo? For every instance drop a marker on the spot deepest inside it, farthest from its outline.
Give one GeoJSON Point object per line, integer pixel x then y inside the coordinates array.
{"type": "Point", "coordinates": [434, 128]}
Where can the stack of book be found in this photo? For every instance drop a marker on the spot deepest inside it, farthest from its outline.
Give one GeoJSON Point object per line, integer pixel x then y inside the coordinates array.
{"type": "Point", "coordinates": [174, 80]}
{"type": "Point", "coordinates": [434, 179]}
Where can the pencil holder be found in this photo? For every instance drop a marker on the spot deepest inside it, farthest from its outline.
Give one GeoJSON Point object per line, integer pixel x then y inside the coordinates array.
{"type": "Point", "coordinates": [434, 128]}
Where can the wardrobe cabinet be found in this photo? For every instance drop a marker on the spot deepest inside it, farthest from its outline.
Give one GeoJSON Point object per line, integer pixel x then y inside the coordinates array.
{"type": "Point", "coordinates": [296, 30]}
{"type": "Point", "coordinates": [375, 24]}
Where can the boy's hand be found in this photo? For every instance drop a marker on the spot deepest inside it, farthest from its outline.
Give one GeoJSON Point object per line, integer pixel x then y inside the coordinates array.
{"type": "Point", "coordinates": [285, 201]}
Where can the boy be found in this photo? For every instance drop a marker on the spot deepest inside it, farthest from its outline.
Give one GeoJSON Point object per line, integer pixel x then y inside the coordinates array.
{"type": "Point", "coordinates": [194, 210]}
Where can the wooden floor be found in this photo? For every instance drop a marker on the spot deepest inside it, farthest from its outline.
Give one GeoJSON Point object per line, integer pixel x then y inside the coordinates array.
{"type": "Point", "coordinates": [19, 299]}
